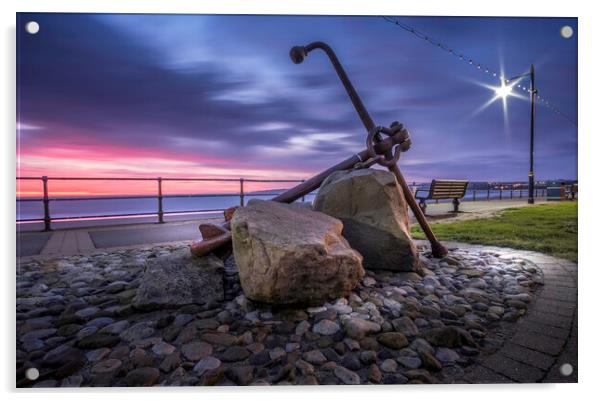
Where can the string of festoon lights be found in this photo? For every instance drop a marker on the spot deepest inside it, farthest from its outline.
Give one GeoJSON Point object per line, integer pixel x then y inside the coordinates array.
{"type": "Point", "coordinates": [479, 66]}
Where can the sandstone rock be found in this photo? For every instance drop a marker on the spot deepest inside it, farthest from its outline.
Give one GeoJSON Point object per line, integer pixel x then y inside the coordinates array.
{"type": "Point", "coordinates": [206, 364]}
{"type": "Point", "coordinates": [241, 375]}
{"type": "Point", "coordinates": [406, 326]}
{"type": "Point", "coordinates": [306, 369]}
{"type": "Point", "coordinates": [314, 356]}
{"type": "Point", "coordinates": [388, 366]}
{"type": "Point", "coordinates": [409, 362]}
{"type": "Point", "coordinates": [346, 376]}
{"type": "Point", "coordinates": [290, 254]}
{"type": "Point", "coordinates": [351, 362]}
{"type": "Point", "coordinates": [140, 358]}
{"type": "Point", "coordinates": [196, 350]}
{"type": "Point", "coordinates": [98, 341]}
{"type": "Point", "coordinates": [210, 370]}
{"type": "Point", "coordinates": [180, 279]}
{"type": "Point", "coordinates": [234, 354]}
{"type": "Point", "coordinates": [107, 366]}
{"type": "Point", "coordinates": [430, 362]}
{"type": "Point", "coordinates": [393, 340]}
{"type": "Point", "coordinates": [146, 376]}
{"type": "Point", "coordinates": [170, 362]}
{"type": "Point", "coordinates": [375, 217]}
{"type": "Point", "coordinates": [163, 349]}
{"type": "Point", "coordinates": [449, 337]}
{"type": "Point", "coordinates": [224, 339]}
{"type": "Point", "coordinates": [447, 356]}
{"type": "Point", "coordinates": [60, 355]}
{"type": "Point", "coordinates": [374, 374]}
{"type": "Point", "coordinates": [358, 328]}
{"type": "Point", "coordinates": [326, 327]}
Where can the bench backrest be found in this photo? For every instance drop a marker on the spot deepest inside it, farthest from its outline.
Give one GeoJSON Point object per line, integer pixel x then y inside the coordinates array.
{"type": "Point", "coordinates": [446, 189]}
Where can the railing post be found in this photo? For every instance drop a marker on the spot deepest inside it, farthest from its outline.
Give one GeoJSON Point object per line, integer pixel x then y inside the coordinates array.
{"type": "Point", "coordinates": [160, 200]}
{"type": "Point", "coordinates": [511, 191]}
{"type": "Point", "coordinates": [474, 195]}
{"type": "Point", "coordinates": [46, 205]}
{"type": "Point", "coordinates": [488, 185]}
{"type": "Point", "coordinates": [501, 189]}
{"type": "Point", "coordinates": [520, 191]}
{"type": "Point", "coordinates": [242, 192]}
{"type": "Point", "coordinates": [303, 197]}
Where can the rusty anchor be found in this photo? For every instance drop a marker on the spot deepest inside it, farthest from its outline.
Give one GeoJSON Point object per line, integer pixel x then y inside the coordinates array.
{"type": "Point", "coordinates": [389, 160]}
{"type": "Point", "coordinates": [384, 151]}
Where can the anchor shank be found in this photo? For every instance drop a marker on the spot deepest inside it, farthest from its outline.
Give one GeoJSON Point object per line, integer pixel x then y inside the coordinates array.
{"type": "Point", "coordinates": [355, 99]}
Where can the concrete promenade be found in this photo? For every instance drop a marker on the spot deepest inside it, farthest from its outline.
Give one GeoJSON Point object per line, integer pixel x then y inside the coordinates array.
{"type": "Point", "coordinates": [87, 240]}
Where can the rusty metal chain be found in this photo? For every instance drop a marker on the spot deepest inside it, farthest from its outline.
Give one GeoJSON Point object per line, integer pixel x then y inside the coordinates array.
{"type": "Point", "coordinates": [403, 145]}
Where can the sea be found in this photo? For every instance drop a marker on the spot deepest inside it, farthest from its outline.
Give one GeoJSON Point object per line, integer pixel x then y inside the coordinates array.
{"type": "Point", "coordinates": [100, 211]}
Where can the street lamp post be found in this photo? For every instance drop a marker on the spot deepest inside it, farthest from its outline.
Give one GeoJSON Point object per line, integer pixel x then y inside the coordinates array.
{"type": "Point", "coordinates": [531, 175]}
{"type": "Point", "coordinates": [533, 92]}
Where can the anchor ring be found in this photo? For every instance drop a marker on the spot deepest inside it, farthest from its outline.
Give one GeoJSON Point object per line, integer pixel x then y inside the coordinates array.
{"type": "Point", "coordinates": [402, 146]}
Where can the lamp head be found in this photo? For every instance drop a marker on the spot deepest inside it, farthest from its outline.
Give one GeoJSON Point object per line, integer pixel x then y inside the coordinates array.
{"type": "Point", "coordinates": [298, 54]}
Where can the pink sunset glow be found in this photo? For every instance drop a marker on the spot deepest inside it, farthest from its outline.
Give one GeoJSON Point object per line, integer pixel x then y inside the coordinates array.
{"type": "Point", "coordinates": [59, 157]}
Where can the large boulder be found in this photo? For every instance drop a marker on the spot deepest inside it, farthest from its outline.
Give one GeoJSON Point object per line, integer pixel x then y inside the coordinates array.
{"type": "Point", "coordinates": [180, 279]}
{"type": "Point", "coordinates": [290, 254]}
{"type": "Point", "coordinates": [375, 217]}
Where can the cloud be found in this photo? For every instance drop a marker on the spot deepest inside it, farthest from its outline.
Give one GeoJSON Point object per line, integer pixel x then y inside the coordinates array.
{"type": "Point", "coordinates": [222, 89]}
{"type": "Point", "coordinates": [22, 126]}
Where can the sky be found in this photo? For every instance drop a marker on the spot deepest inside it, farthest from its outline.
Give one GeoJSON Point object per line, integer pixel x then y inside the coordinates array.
{"type": "Point", "coordinates": [218, 97]}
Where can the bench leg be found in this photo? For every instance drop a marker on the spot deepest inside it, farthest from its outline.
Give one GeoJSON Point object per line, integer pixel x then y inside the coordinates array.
{"type": "Point", "coordinates": [456, 203]}
{"type": "Point", "coordinates": [422, 205]}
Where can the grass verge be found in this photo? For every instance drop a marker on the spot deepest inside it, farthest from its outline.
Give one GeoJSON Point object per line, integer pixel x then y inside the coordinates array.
{"type": "Point", "coordinates": [549, 228]}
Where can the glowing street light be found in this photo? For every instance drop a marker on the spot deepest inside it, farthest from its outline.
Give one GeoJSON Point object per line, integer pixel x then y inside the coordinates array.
{"type": "Point", "coordinates": [502, 92]}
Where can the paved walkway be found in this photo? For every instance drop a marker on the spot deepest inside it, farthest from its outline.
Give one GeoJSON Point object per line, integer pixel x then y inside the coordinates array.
{"type": "Point", "coordinates": [544, 346]}
{"type": "Point", "coordinates": [90, 239]}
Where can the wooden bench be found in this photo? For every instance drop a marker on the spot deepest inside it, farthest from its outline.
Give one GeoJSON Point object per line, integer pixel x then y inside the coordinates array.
{"type": "Point", "coordinates": [443, 189]}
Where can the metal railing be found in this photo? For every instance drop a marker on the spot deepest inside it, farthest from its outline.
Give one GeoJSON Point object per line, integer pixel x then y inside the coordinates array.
{"type": "Point", "coordinates": [46, 199]}
{"type": "Point", "coordinates": [493, 191]}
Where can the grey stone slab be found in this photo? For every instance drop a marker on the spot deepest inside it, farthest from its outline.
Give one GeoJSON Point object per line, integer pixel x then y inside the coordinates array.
{"type": "Point", "coordinates": [544, 329]}
{"type": "Point", "coordinates": [554, 308]}
{"type": "Point", "coordinates": [483, 375]}
{"type": "Point", "coordinates": [528, 356]}
{"type": "Point", "coordinates": [559, 295]}
{"type": "Point", "coordinates": [569, 356]}
{"type": "Point", "coordinates": [514, 370]}
{"type": "Point", "coordinates": [560, 280]}
{"type": "Point", "coordinates": [29, 244]}
{"type": "Point", "coordinates": [539, 342]}
{"type": "Point", "coordinates": [551, 264]}
{"type": "Point", "coordinates": [145, 235]}
{"type": "Point", "coordinates": [550, 319]}
{"type": "Point", "coordinates": [570, 267]}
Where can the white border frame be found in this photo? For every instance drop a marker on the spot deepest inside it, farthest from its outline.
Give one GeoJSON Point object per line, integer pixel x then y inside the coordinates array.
{"type": "Point", "coordinates": [590, 186]}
